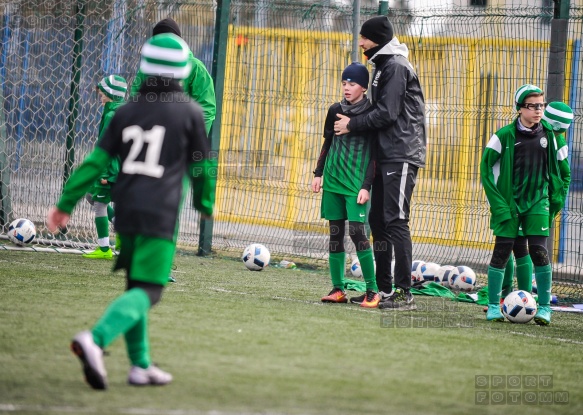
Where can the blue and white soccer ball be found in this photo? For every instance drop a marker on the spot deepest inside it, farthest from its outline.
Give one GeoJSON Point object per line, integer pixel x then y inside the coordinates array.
{"type": "Point", "coordinates": [465, 280]}
{"type": "Point", "coordinates": [519, 307]}
{"type": "Point", "coordinates": [356, 270]}
{"type": "Point", "coordinates": [417, 269]}
{"type": "Point", "coordinates": [21, 232]}
{"type": "Point", "coordinates": [429, 271]}
{"type": "Point", "coordinates": [256, 257]}
{"type": "Point", "coordinates": [442, 274]}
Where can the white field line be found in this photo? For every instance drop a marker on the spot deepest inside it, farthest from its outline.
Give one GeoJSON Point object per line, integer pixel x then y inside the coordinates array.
{"type": "Point", "coordinates": [7, 407]}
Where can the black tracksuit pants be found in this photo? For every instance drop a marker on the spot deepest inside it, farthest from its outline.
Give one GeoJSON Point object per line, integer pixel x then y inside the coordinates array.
{"type": "Point", "coordinates": [389, 223]}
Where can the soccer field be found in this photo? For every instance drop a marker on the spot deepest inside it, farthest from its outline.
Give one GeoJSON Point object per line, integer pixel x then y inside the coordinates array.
{"type": "Point", "coordinates": [241, 342]}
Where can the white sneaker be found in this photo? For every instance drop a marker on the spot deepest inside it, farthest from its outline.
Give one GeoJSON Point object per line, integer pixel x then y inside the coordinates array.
{"type": "Point", "coordinates": [150, 376]}
{"type": "Point", "coordinates": [91, 357]}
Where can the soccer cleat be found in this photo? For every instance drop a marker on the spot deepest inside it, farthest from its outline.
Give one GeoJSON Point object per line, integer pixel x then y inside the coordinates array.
{"type": "Point", "coordinates": [91, 357]}
{"type": "Point", "coordinates": [335, 296]}
{"type": "Point", "coordinates": [99, 254]}
{"type": "Point", "coordinates": [399, 300]}
{"type": "Point", "coordinates": [543, 315]}
{"type": "Point", "coordinates": [371, 300]}
{"type": "Point", "coordinates": [358, 300]}
{"type": "Point", "coordinates": [494, 313]}
{"type": "Point", "coordinates": [150, 376]}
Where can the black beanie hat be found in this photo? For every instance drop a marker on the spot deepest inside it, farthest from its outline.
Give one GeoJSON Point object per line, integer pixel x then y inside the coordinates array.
{"type": "Point", "coordinates": [378, 29]}
{"type": "Point", "coordinates": [356, 72]}
{"type": "Point", "coordinates": [166, 26]}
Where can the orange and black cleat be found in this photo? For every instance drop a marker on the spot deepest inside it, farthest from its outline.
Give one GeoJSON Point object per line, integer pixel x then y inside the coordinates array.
{"type": "Point", "coordinates": [371, 300]}
{"type": "Point", "coordinates": [335, 296]}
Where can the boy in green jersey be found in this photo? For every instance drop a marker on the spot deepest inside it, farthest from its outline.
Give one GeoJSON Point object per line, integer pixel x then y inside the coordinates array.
{"type": "Point", "coordinates": [161, 140]}
{"type": "Point", "coordinates": [523, 175]}
{"type": "Point", "coordinates": [559, 115]}
{"type": "Point", "coordinates": [112, 90]}
{"type": "Point", "coordinates": [345, 172]}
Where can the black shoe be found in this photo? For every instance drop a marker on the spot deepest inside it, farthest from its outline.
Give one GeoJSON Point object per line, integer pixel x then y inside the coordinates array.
{"type": "Point", "coordinates": [399, 300]}
{"type": "Point", "coordinates": [357, 300]}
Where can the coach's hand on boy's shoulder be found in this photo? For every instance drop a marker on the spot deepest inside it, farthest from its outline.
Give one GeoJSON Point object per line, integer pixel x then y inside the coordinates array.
{"type": "Point", "coordinates": [341, 125]}
{"type": "Point", "coordinates": [316, 184]}
{"type": "Point", "coordinates": [363, 197]}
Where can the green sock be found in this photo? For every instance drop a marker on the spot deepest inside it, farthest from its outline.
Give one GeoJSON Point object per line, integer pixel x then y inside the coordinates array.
{"type": "Point", "coordinates": [368, 272]}
{"type": "Point", "coordinates": [508, 281]}
{"type": "Point", "coordinates": [102, 225]}
{"type": "Point", "coordinates": [524, 273]}
{"type": "Point", "coordinates": [110, 213]}
{"type": "Point", "coordinates": [137, 343]}
{"type": "Point", "coordinates": [337, 262]}
{"type": "Point", "coordinates": [495, 278]}
{"type": "Point", "coordinates": [121, 316]}
{"type": "Point", "coordinates": [544, 279]}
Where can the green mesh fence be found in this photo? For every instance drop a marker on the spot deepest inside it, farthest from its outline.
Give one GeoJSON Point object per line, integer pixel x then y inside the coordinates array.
{"type": "Point", "coordinates": [284, 60]}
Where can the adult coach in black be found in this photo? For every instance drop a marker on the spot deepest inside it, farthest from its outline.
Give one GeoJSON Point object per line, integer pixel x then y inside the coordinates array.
{"type": "Point", "coordinates": [399, 119]}
{"type": "Point", "coordinates": [161, 141]}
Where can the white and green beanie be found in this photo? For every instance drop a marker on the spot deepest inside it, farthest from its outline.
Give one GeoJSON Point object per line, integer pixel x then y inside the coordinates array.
{"type": "Point", "coordinates": [114, 87]}
{"type": "Point", "coordinates": [559, 115]}
{"type": "Point", "coordinates": [523, 91]}
{"type": "Point", "coordinates": [166, 55]}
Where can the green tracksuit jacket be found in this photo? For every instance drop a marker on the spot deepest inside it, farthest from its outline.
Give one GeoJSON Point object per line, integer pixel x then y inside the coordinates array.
{"type": "Point", "coordinates": [496, 170]}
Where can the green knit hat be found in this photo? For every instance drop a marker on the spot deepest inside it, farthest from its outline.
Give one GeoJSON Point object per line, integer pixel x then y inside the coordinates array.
{"type": "Point", "coordinates": [523, 91]}
{"type": "Point", "coordinates": [166, 55]}
{"type": "Point", "coordinates": [114, 87]}
{"type": "Point", "coordinates": [559, 115]}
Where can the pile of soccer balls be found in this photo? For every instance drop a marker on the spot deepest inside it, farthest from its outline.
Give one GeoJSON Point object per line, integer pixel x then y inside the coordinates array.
{"type": "Point", "coordinates": [460, 278]}
{"type": "Point", "coordinates": [21, 232]}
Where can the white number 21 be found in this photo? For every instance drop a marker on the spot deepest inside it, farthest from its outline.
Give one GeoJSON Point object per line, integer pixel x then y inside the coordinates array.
{"type": "Point", "coordinates": [154, 139]}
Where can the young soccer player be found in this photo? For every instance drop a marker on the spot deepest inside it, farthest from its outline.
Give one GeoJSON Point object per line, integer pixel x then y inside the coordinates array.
{"type": "Point", "coordinates": [559, 115]}
{"type": "Point", "coordinates": [345, 171]}
{"type": "Point", "coordinates": [160, 138]}
{"type": "Point", "coordinates": [112, 90]}
{"type": "Point", "coordinates": [523, 174]}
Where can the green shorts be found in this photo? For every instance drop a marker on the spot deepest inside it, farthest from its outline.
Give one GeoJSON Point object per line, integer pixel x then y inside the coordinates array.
{"type": "Point", "coordinates": [527, 225]}
{"type": "Point", "coordinates": [146, 259]}
{"type": "Point", "coordinates": [336, 206]}
{"type": "Point", "coordinates": [101, 193]}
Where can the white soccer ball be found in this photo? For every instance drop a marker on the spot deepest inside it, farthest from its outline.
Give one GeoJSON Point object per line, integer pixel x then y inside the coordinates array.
{"type": "Point", "coordinates": [465, 281]}
{"type": "Point", "coordinates": [256, 257]}
{"type": "Point", "coordinates": [452, 276]}
{"type": "Point", "coordinates": [429, 272]}
{"type": "Point", "coordinates": [519, 307]}
{"type": "Point", "coordinates": [21, 232]}
{"type": "Point", "coordinates": [442, 274]}
{"type": "Point", "coordinates": [417, 269]}
{"type": "Point", "coordinates": [356, 270]}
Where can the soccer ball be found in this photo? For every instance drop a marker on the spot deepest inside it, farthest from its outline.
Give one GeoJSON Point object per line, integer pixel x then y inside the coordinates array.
{"type": "Point", "coordinates": [442, 274]}
{"type": "Point", "coordinates": [356, 270]}
{"type": "Point", "coordinates": [465, 281]}
{"type": "Point", "coordinates": [21, 232]}
{"type": "Point", "coordinates": [519, 307]}
{"type": "Point", "coordinates": [417, 269]}
{"type": "Point", "coordinates": [430, 271]}
{"type": "Point", "coordinates": [452, 276]}
{"type": "Point", "coordinates": [256, 257]}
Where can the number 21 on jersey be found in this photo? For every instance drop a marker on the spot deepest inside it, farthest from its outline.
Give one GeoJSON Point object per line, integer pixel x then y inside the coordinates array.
{"type": "Point", "coordinates": [154, 139]}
